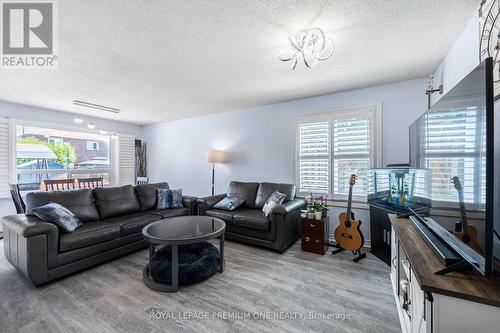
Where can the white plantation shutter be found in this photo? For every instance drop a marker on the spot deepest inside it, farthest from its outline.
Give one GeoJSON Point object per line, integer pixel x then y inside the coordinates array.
{"type": "Point", "coordinates": [351, 154]}
{"type": "Point", "coordinates": [4, 159]}
{"type": "Point", "coordinates": [456, 146]}
{"type": "Point", "coordinates": [332, 146]}
{"type": "Point", "coordinates": [314, 158]}
{"type": "Point", "coordinates": [126, 158]}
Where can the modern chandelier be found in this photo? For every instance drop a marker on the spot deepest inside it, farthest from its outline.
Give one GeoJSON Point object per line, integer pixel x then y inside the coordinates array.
{"type": "Point", "coordinates": [309, 45]}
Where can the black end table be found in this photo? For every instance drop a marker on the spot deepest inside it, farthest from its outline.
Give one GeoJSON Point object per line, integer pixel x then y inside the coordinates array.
{"type": "Point", "coordinates": [182, 230]}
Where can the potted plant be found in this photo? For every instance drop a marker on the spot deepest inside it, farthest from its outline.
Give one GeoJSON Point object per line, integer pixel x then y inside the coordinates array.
{"type": "Point", "coordinates": [318, 205]}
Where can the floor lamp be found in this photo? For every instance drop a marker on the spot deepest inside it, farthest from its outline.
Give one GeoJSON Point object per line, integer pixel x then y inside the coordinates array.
{"type": "Point", "coordinates": [215, 156]}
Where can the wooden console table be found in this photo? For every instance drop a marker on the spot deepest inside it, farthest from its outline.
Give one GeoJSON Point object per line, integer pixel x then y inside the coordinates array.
{"type": "Point", "coordinates": [456, 302]}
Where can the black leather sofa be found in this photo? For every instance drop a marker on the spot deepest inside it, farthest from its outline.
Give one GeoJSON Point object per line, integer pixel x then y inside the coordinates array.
{"type": "Point", "coordinates": [248, 223]}
{"type": "Point", "coordinates": [113, 218]}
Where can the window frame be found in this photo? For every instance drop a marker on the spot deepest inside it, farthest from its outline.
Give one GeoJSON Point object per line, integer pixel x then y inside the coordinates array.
{"type": "Point", "coordinates": [112, 171]}
{"type": "Point", "coordinates": [374, 113]}
{"type": "Point", "coordinates": [92, 144]}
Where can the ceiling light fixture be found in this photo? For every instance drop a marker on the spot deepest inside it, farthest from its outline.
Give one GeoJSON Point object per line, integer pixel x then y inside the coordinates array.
{"type": "Point", "coordinates": [103, 132]}
{"type": "Point", "coordinates": [78, 120]}
{"type": "Point", "coordinates": [114, 136]}
{"type": "Point", "coordinates": [95, 106]}
{"type": "Point", "coordinates": [91, 126]}
{"type": "Point", "coordinates": [310, 45]}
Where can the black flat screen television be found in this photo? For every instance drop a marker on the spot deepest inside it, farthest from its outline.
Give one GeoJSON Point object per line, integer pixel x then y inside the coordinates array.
{"type": "Point", "coordinates": [456, 140]}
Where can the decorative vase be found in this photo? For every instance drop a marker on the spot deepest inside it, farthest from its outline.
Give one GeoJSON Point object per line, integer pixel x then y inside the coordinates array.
{"type": "Point", "coordinates": [310, 215]}
{"type": "Point", "coordinates": [324, 212]}
{"type": "Point", "coordinates": [318, 215]}
{"type": "Point", "coordinates": [303, 213]}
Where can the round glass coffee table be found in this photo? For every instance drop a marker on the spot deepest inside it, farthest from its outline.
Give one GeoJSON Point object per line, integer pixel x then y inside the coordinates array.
{"type": "Point", "coordinates": [182, 230]}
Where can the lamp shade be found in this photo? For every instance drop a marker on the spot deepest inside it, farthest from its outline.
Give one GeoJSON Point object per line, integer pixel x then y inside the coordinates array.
{"type": "Point", "coordinates": [216, 156]}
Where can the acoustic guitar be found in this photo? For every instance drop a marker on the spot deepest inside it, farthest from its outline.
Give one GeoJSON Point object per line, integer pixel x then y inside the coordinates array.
{"type": "Point", "coordinates": [348, 234]}
{"type": "Point", "coordinates": [463, 231]}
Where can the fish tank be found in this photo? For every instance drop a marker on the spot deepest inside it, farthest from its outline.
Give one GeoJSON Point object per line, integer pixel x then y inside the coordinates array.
{"type": "Point", "coordinates": [399, 188]}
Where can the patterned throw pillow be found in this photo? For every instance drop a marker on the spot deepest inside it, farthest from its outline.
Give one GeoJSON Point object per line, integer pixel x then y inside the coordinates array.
{"type": "Point", "coordinates": [274, 201]}
{"type": "Point", "coordinates": [59, 215]}
{"type": "Point", "coordinates": [229, 203]}
{"type": "Point", "coordinates": [168, 198]}
{"type": "Point", "coordinates": [177, 198]}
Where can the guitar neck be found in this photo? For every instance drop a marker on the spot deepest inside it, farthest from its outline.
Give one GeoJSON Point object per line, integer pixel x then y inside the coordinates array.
{"type": "Point", "coordinates": [462, 210]}
{"type": "Point", "coordinates": [349, 203]}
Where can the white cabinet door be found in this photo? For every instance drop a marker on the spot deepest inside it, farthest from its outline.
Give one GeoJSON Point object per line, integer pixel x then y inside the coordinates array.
{"type": "Point", "coordinates": [417, 296]}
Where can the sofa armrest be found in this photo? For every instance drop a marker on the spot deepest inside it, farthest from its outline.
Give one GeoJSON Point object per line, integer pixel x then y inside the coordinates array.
{"type": "Point", "coordinates": [27, 226]}
{"type": "Point", "coordinates": [189, 202]}
{"type": "Point", "coordinates": [289, 206]}
{"type": "Point", "coordinates": [210, 201]}
{"type": "Point", "coordinates": [31, 246]}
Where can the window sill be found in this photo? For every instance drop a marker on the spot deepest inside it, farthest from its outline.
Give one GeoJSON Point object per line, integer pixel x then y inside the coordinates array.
{"type": "Point", "coordinates": [343, 203]}
{"type": "Point", "coordinates": [455, 213]}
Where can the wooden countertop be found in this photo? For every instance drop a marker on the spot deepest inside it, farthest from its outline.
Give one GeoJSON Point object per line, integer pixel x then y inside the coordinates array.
{"type": "Point", "coordinates": [425, 263]}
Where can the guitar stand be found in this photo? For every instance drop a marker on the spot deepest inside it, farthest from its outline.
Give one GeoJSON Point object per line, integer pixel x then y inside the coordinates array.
{"type": "Point", "coordinates": [360, 255]}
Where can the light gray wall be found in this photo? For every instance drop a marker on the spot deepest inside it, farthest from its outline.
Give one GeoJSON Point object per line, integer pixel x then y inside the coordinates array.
{"type": "Point", "coordinates": [460, 60]}
{"type": "Point", "coordinates": [261, 140]}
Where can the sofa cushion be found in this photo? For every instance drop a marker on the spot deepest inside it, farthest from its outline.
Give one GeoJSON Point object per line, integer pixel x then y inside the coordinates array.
{"type": "Point", "coordinates": [146, 194]}
{"type": "Point", "coordinates": [59, 215]}
{"type": "Point", "coordinates": [79, 202]}
{"type": "Point", "coordinates": [251, 218]}
{"type": "Point", "coordinates": [172, 212]}
{"type": "Point", "coordinates": [88, 234]}
{"type": "Point", "coordinates": [266, 189]}
{"type": "Point", "coordinates": [224, 215]}
{"type": "Point", "coordinates": [274, 201]}
{"type": "Point", "coordinates": [244, 191]}
{"type": "Point", "coordinates": [115, 201]}
{"type": "Point", "coordinates": [132, 223]}
{"type": "Point", "coordinates": [229, 203]}
{"type": "Point", "coordinates": [168, 198]}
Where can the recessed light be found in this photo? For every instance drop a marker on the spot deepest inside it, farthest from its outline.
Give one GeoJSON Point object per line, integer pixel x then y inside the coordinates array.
{"type": "Point", "coordinates": [103, 132]}
{"type": "Point", "coordinates": [114, 136]}
{"type": "Point", "coordinates": [78, 120]}
{"type": "Point", "coordinates": [91, 125]}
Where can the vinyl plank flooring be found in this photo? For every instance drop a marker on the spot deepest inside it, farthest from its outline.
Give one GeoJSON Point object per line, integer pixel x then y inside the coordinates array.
{"type": "Point", "coordinates": [259, 291]}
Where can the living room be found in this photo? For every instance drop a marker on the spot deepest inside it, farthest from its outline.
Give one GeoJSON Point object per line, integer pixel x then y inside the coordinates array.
{"type": "Point", "coordinates": [249, 166]}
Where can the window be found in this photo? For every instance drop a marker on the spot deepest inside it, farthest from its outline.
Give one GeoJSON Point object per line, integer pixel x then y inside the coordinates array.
{"type": "Point", "coordinates": [332, 146]}
{"type": "Point", "coordinates": [456, 146]}
{"type": "Point", "coordinates": [47, 153]}
{"type": "Point", "coordinates": [92, 145]}
{"type": "Point", "coordinates": [56, 141]}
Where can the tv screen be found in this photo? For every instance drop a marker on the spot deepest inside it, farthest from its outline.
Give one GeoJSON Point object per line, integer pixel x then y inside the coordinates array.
{"type": "Point", "coordinates": [455, 140]}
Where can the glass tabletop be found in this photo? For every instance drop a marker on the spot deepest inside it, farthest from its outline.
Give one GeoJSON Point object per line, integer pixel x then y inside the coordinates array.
{"type": "Point", "coordinates": [184, 228]}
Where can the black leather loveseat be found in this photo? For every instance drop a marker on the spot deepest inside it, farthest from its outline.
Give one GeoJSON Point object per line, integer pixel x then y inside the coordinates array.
{"type": "Point", "coordinates": [113, 218]}
{"type": "Point", "coordinates": [248, 223]}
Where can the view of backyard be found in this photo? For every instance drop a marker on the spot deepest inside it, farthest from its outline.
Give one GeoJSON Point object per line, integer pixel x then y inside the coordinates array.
{"type": "Point", "coordinates": [44, 153]}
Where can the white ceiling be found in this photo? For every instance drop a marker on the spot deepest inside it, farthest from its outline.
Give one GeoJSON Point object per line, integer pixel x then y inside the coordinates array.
{"type": "Point", "coordinates": [160, 60]}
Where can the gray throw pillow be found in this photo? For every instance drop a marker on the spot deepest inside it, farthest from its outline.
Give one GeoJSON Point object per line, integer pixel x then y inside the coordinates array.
{"type": "Point", "coordinates": [274, 201]}
{"type": "Point", "coordinates": [59, 215]}
{"type": "Point", "coordinates": [168, 198]}
{"type": "Point", "coordinates": [229, 203]}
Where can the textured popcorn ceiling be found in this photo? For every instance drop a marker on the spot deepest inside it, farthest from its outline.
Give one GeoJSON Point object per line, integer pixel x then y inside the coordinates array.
{"type": "Point", "coordinates": [162, 60]}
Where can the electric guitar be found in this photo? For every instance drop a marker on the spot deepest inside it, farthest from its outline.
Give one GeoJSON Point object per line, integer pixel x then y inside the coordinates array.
{"type": "Point", "coordinates": [348, 235]}
{"type": "Point", "coordinates": [466, 233]}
